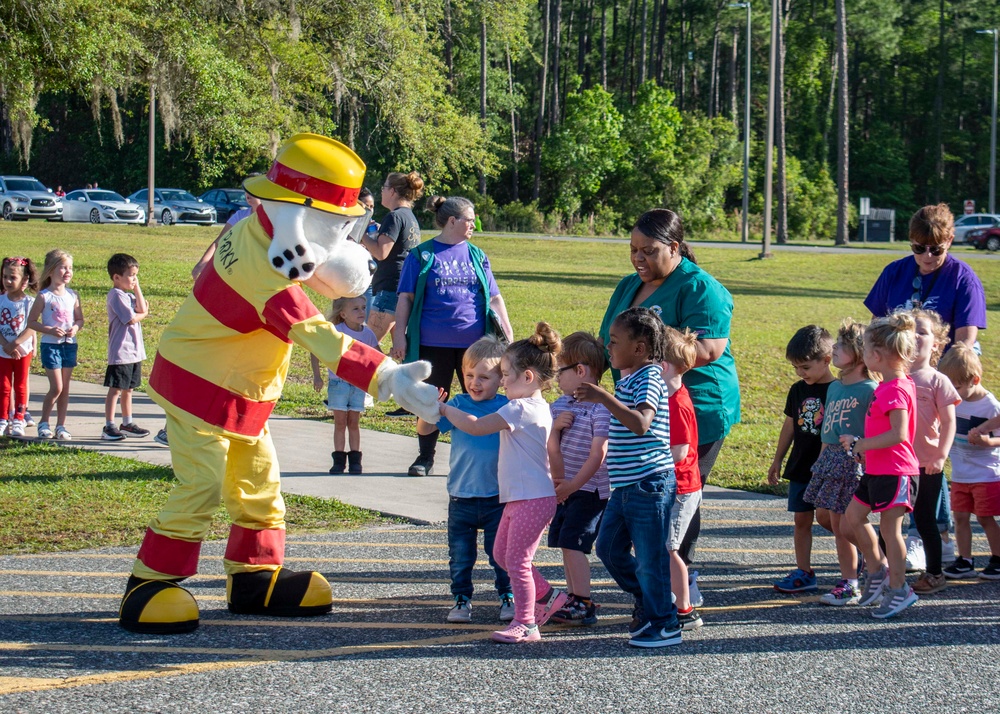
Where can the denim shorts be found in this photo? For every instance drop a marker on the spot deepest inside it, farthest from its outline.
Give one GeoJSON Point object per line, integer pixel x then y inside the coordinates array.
{"type": "Point", "coordinates": [58, 355]}
{"type": "Point", "coordinates": [343, 396]}
{"type": "Point", "coordinates": [385, 301]}
{"type": "Point", "coordinates": [796, 502]}
{"type": "Point", "coordinates": [681, 515]}
{"type": "Point", "coordinates": [577, 520]}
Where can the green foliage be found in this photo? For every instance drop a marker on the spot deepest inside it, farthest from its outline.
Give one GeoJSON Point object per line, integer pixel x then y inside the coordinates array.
{"type": "Point", "coordinates": [519, 218]}
{"type": "Point", "coordinates": [585, 150]}
{"type": "Point", "coordinates": [812, 203]}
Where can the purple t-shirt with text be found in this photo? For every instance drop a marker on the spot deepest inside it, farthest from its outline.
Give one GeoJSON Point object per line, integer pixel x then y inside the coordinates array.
{"type": "Point", "coordinates": [953, 291]}
{"type": "Point", "coordinates": [454, 309]}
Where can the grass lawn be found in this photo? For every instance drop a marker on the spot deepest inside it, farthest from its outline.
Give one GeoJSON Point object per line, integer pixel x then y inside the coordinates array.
{"type": "Point", "coordinates": [565, 283]}
{"type": "Point", "coordinates": [53, 498]}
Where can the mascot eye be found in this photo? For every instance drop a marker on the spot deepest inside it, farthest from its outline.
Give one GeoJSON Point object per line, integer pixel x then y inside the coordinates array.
{"type": "Point", "coordinates": [308, 267]}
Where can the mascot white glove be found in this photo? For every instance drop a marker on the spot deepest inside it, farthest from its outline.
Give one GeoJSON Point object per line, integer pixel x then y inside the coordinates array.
{"type": "Point", "coordinates": [405, 383]}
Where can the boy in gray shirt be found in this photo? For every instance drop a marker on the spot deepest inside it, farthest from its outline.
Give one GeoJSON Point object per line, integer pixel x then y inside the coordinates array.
{"type": "Point", "coordinates": [126, 310]}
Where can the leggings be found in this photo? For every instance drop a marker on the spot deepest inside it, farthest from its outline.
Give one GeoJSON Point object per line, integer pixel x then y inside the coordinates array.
{"type": "Point", "coordinates": [925, 518]}
{"type": "Point", "coordinates": [14, 383]}
{"type": "Point", "coordinates": [707, 454]}
{"type": "Point", "coordinates": [517, 539]}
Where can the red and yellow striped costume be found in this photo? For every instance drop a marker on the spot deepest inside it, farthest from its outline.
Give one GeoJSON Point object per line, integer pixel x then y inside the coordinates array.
{"type": "Point", "coordinates": [219, 370]}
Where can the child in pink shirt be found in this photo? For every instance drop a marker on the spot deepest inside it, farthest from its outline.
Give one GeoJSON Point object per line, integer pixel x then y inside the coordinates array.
{"type": "Point", "coordinates": [888, 486]}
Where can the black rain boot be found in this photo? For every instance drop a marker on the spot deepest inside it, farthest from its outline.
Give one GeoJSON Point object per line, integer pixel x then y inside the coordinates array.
{"type": "Point", "coordinates": [425, 461]}
{"type": "Point", "coordinates": [354, 461]}
{"type": "Point", "coordinates": [339, 462]}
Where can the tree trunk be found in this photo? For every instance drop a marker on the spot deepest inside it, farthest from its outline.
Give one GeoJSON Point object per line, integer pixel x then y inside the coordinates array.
{"type": "Point", "coordinates": [449, 58]}
{"type": "Point", "coordinates": [515, 183]}
{"type": "Point", "coordinates": [781, 235]}
{"type": "Point", "coordinates": [482, 93]}
{"type": "Point", "coordinates": [556, 52]}
{"type": "Point", "coordinates": [604, 45]}
{"type": "Point", "coordinates": [645, 25]}
{"type": "Point", "coordinates": [661, 37]}
{"type": "Point", "coordinates": [939, 109]}
{"type": "Point", "coordinates": [542, 100]}
{"type": "Point", "coordinates": [843, 127]}
{"type": "Point", "coordinates": [682, 80]}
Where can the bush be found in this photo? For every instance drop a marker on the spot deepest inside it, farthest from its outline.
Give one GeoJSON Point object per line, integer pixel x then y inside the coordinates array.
{"type": "Point", "coordinates": [518, 217]}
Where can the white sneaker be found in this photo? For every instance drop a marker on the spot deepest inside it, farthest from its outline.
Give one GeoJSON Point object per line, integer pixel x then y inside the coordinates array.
{"type": "Point", "coordinates": [44, 432]}
{"type": "Point", "coordinates": [915, 558]}
{"type": "Point", "coordinates": [3, 427]}
{"type": "Point", "coordinates": [62, 434]}
{"type": "Point", "coordinates": [462, 610]}
{"type": "Point", "coordinates": [948, 553]}
{"type": "Point", "coordinates": [697, 599]}
{"type": "Point", "coordinates": [28, 419]}
{"type": "Point", "coordinates": [17, 429]}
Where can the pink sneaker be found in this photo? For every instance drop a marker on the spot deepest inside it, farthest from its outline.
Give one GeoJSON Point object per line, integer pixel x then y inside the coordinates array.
{"type": "Point", "coordinates": [515, 633]}
{"type": "Point", "coordinates": [544, 610]}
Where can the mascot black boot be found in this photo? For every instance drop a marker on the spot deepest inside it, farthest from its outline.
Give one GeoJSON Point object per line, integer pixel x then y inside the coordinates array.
{"type": "Point", "coordinates": [279, 593]}
{"type": "Point", "coordinates": [157, 607]}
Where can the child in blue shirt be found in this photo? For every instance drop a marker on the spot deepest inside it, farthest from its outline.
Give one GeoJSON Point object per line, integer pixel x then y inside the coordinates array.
{"type": "Point", "coordinates": [473, 489]}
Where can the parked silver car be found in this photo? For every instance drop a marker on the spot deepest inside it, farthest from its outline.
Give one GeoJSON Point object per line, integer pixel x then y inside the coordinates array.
{"type": "Point", "coordinates": [100, 206]}
{"type": "Point", "coordinates": [974, 222]}
{"type": "Point", "coordinates": [175, 205]}
{"type": "Point", "coordinates": [24, 197]}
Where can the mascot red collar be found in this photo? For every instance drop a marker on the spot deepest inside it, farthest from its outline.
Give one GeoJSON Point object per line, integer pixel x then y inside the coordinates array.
{"type": "Point", "coordinates": [220, 367]}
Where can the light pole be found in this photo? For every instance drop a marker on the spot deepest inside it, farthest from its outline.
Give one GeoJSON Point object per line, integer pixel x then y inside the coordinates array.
{"type": "Point", "coordinates": [993, 124]}
{"type": "Point", "coordinates": [746, 130]}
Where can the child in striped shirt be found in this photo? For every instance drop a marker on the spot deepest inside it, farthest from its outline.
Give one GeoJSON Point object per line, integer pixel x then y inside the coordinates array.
{"type": "Point", "coordinates": [641, 471]}
{"type": "Point", "coordinates": [577, 448]}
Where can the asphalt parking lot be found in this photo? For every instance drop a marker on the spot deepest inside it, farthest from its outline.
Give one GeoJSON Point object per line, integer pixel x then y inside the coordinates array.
{"type": "Point", "coordinates": [387, 648]}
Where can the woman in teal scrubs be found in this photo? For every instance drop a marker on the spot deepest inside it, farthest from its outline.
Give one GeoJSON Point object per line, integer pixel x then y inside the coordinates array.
{"type": "Point", "coordinates": [668, 281]}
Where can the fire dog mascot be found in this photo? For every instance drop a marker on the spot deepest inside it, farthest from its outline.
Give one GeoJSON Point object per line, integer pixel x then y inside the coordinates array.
{"type": "Point", "coordinates": [220, 368]}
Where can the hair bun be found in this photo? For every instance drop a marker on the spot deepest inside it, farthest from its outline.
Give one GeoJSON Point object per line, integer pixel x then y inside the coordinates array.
{"type": "Point", "coordinates": [902, 322]}
{"type": "Point", "coordinates": [545, 338]}
{"type": "Point", "coordinates": [415, 182]}
{"type": "Point", "coordinates": [435, 202]}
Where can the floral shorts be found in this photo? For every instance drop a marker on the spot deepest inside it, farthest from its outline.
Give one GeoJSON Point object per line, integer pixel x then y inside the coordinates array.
{"type": "Point", "coordinates": [835, 479]}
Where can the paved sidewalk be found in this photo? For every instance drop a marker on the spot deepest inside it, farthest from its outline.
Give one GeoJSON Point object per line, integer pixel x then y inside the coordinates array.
{"type": "Point", "coordinates": [303, 446]}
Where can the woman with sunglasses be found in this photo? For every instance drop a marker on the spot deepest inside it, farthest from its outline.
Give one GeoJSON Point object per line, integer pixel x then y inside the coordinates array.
{"type": "Point", "coordinates": [931, 279]}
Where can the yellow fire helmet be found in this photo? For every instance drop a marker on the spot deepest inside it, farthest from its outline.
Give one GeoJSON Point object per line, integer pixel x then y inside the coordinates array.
{"type": "Point", "coordinates": [315, 171]}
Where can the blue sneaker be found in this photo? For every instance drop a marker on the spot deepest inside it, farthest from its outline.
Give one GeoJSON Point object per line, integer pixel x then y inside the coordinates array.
{"type": "Point", "coordinates": [797, 581]}
{"type": "Point", "coordinates": [651, 638]}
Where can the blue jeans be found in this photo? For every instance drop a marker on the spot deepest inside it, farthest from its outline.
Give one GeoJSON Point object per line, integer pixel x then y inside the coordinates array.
{"type": "Point", "coordinates": [466, 516]}
{"type": "Point", "coordinates": [638, 515]}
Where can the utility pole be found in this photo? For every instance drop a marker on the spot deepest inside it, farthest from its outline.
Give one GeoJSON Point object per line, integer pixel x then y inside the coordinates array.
{"type": "Point", "coordinates": [765, 251]}
{"type": "Point", "coordinates": [150, 218]}
{"type": "Point", "coordinates": [745, 235]}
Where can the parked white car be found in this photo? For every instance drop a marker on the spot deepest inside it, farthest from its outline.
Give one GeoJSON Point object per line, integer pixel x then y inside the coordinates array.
{"type": "Point", "coordinates": [101, 206]}
{"type": "Point", "coordinates": [175, 205]}
{"type": "Point", "coordinates": [24, 197]}
{"type": "Point", "coordinates": [974, 222]}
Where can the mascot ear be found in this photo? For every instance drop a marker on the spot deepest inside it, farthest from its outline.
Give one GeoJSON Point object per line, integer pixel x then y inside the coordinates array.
{"type": "Point", "coordinates": [290, 252]}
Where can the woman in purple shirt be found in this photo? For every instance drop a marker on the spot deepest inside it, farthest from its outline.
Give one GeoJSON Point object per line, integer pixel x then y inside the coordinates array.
{"type": "Point", "coordinates": [445, 290]}
{"type": "Point", "coordinates": [933, 280]}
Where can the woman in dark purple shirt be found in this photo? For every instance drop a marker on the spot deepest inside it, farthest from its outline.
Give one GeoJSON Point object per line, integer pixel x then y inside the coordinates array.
{"type": "Point", "coordinates": [932, 279]}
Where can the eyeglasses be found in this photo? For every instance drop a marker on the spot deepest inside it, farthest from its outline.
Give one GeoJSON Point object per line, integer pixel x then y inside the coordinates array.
{"type": "Point", "coordinates": [935, 250]}
{"type": "Point", "coordinates": [569, 366]}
